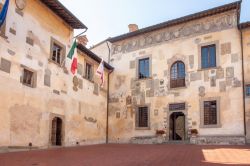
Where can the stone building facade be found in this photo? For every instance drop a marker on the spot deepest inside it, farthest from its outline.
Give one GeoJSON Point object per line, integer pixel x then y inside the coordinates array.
{"type": "Point", "coordinates": [42, 104]}
{"type": "Point", "coordinates": [245, 32]}
{"type": "Point", "coordinates": [179, 76]}
{"type": "Point", "coordinates": [187, 74]}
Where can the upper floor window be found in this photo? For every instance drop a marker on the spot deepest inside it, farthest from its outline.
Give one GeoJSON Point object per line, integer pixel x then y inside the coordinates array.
{"type": "Point", "coordinates": [143, 70]}
{"type": "Point", "coordinates": [210, 113]}
{"type": "Point", "coordinates": [177, 75]}
{"type": "Point", "coordinates": [208, 56]}
{"type": "Point", "coordinates": [28, 78]}
{"type": "Point", "coordinates": [88, 71]}
{"type": "Point", "coordinates": [2, 29]}
{"type": "Point", "coordinates": [247, 90]}
{"type": "Point", "coordinates": [57, 53]}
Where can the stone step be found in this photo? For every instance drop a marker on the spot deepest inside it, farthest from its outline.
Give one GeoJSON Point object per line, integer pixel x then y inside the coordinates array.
{"type": "Point", "coordinates": [177, 142]}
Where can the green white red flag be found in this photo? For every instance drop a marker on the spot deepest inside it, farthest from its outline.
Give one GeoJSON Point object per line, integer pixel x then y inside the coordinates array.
{"type": "Point", "coordinates": [73, 56]}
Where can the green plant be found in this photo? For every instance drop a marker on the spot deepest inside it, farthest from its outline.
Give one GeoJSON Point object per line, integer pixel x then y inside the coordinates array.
{"type": "Point", "coordinates": [160, 132]}
{"type": "Point", "coordinates": [194, 131]}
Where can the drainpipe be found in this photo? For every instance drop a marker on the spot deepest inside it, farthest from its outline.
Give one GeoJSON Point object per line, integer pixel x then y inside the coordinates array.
{"type": "Point", "coordinates": [107, 120]}
{"type": "Point", "coordinates": [243, 81]}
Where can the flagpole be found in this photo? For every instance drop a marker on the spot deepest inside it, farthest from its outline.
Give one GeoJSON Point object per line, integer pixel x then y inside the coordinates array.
{"type": "Point", "coordinates": [75, 37]}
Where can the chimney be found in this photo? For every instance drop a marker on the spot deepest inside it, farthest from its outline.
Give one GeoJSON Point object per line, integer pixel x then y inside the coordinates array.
{"type": "Point", "coordinates": [83, 40]}
{"type": "Point", "coordinates": [133, 27]}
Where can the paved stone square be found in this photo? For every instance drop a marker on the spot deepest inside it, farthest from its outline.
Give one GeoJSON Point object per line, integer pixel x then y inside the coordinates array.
{"type": "Point", "coordinates": [131, 155]}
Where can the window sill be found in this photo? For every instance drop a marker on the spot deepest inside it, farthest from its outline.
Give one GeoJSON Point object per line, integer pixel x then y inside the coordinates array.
{"type": "Point", "coordinates": [144, 79]}
{"type": "Point", "coordinates": [211, 126]}
{"type": "Point", "coordinates": [142, 128]}
{"type": "Point", "coordinates": [59, 65]}
{"type": "Point", "coordinates": [209, 68]}
{"type": "Point", "coordinates": [91, 81]}
{"type": "Point", "coordinates": [179, 88]}
{"type": "Point", "coordinates": [27, 85]}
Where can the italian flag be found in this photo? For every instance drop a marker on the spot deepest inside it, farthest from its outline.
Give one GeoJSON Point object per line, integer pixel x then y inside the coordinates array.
{"type": "Point", "coordinates": [73, 56]}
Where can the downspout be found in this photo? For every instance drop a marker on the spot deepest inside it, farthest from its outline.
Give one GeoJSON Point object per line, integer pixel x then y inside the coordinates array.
{"type": "Point", "coordinates": [81, 33]}
{"type": "Point", "coordinates": [107, 120]}
{"type": "Point", "coordinates": [243, 81]}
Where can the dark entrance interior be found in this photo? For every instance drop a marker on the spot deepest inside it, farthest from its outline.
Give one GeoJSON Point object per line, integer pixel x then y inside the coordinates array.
{"type": "Point", "coordinates": [56, 135]}
{"type": "Point", "coordinates": [177, 126]}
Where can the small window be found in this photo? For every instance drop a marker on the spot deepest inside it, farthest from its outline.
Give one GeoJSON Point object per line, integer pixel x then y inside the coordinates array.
{"type": "Point", "coordinates": [57, 53]}
{"type": "Point", "coordinates": [210, 113]}
{"type": "Point", "coordinates": [143, 117]}
{"type": "Point", "coordinates": [248, 90]}
{"type": "Point", "coordinates": [143, 68]}
{"type": "Point", "coordinates": [208, 56]}
{"type": "Point", "coordinates": [28, 78]}
{"type": "Point", "coordinates": [177, 75]}
{"type": "Point", "coordinates": [88, 72]}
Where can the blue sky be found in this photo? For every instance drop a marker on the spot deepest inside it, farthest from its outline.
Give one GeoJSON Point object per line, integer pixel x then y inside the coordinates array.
{"type": "Point", "coordinates": [109, 18]}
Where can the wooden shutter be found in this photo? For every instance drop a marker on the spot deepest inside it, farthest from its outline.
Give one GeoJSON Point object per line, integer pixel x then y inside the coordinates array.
{"type": "Point", "coordinates": [210, 113]}
{"type": "Point", "coordinates": [143, 116]}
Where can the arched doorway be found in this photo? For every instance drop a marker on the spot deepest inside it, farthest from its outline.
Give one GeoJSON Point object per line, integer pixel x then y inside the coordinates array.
{"type": "Point", "coordinates": [56, 135]}
{"type": "Point", "coordinates": [177, 126]}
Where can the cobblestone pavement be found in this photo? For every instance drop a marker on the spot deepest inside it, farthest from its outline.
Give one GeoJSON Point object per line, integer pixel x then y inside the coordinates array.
{"type": "Point", "coordinates": [132, 155]}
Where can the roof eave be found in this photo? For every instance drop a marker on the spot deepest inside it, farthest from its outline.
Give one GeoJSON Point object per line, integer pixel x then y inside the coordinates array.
{"type": "Point", "coordinates": [58, 8]}
{"type": "Point", "coordinates": [205, 13]}
{"type": "Point", "coordinates": [93, 56]}
{"type": "Point", "coordinates": [244, 25]}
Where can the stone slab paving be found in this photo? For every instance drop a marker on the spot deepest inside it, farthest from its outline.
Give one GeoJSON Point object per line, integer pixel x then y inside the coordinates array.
{"type": "Point", "coordinates": [132, 155]}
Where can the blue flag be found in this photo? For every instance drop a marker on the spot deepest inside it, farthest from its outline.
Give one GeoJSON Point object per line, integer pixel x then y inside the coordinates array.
{"type": "Point", "coordinates": [3, 13]}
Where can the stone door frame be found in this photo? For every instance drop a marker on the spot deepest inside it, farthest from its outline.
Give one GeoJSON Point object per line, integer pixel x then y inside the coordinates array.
{"type": "Point", "coordinates": [51, 117]}
{"type": "Point", "coordinates": [170, 119]}
{"type": "Point", "coordinates": [169, 113]}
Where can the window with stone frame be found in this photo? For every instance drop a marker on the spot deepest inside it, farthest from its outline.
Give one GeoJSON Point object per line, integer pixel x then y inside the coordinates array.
{"type": "Point", "coordinates": [247, 90]}
{"type": "Point", "coordinates": [3, 27]}
{"type": "Point", "coordinates": [177, 75]}
{"type": "Point", "coordinates": [208, 56]}
{"type": "Point", "coordinates": [143, 68]}
{"type": "Point", "coordinates": [210, 112]}
{"type": "Point", "coordinates": [142, 117]}
{"type": "Point", "coordinates": [88, 71]}
{"type": "Point", "coordinates": [29, 78]}
{"type": "Point", "coordinates": [57, 52]}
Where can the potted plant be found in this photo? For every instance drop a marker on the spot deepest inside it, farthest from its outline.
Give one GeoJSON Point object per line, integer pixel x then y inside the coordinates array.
{"type": "Point", "coordinates": [194, 132]}
{"type": "Point", "coordinates": [160, 132]}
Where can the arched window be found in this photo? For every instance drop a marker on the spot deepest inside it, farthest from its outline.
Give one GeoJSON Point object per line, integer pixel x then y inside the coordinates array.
{"type": "Point", "coordinates": [177, 75]}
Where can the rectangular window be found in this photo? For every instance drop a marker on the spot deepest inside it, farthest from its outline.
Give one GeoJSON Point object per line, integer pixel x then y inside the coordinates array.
{"type": "Point", "coordinates": [248, 90]}
{"type": "Point", "coordinates": [57, 53]}
{"type": "Point", "coordinates": [210, 113]}
{"type": "Point", "coordinates": [28, 78]}
{"type": "Point", "coordinates": [208, 56]}
{"type": "Point", "coordinates": [2, 29]}
{"type": "Point", "coordinates": [177, 107]}
{"type": "Point", "coordinates": [88, 71]}
{"type": "Point", "coordinates": [143, 68]}
{"type": "Point", "coordinates": [143, 117]}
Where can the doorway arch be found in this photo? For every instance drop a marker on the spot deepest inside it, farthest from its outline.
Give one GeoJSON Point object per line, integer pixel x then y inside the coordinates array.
{"type": "Point", "coordinates": [177, 126]}
{"type": "Point", "coordinates": [56, 131]}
